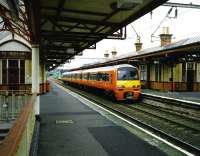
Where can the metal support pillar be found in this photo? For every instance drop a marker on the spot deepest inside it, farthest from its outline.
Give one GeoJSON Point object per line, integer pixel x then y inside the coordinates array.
{"type": "Point", "coordinates": [36, 77]}
{"type": "Point", "coordinates": [1, 69]}
{"type": "Point", "coordinates": [172, 77]}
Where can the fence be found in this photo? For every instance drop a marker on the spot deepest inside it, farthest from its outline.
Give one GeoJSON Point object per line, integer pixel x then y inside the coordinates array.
{"type": "Point", "coordinates": [11, 103]}
{"type": "Point", "coordinates": [18, 140]}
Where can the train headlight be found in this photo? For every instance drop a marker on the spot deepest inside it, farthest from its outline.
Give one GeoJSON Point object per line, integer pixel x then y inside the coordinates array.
{"type": "Point", "coordinates": [137, 86]}
{"type": "Point", "coordinates": [121, 87]}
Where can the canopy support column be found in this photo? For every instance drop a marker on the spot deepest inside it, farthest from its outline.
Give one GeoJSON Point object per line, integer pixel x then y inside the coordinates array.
{"type": "Point", "coordinates": [36, 77]}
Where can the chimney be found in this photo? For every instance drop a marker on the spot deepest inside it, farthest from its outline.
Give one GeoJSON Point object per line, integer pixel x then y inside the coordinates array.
{"type": "Point", "coordinates": [114, 52]}
{"type": "Point", "coordinates": [138, 44]}
{"type": "Point", "coordinates": [165, 37]}
{"type": "Point", "coordinates": [106, 55]}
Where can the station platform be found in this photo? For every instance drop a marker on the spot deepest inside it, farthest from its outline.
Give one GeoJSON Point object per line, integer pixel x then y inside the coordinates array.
{"type": "Point", "coordinates": [189, 96]}
{"type": "Point", "coordinates": [71, 128]}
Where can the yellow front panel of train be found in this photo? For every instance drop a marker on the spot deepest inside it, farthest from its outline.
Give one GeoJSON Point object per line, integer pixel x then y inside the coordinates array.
{"type": "Point", "coordinates": [128, 84]}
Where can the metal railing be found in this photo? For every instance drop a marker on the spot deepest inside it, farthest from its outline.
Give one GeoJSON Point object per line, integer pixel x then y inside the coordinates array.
{"type": "Point", "coordinates": [18, 140]}
{"type": "Point", "coordinates": [11, 103]}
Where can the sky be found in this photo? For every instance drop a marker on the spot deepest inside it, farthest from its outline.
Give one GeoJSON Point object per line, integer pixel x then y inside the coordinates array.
{"type": "Point", "coordinates": [187, 24]}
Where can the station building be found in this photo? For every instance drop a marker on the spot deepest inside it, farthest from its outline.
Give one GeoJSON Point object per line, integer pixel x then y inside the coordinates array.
{"type": "Point", "coordinates": [171, 66]}
{"type": "Point", "coordinates": [168, 67]}
{"type": "Point", "coordinates": [15, 65]}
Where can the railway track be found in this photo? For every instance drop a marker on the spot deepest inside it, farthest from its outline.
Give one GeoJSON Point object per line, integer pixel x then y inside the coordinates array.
{"type": "Point", "coordinates": [184, 108]}
{"type": "Point", "coordinates": [183, 131]}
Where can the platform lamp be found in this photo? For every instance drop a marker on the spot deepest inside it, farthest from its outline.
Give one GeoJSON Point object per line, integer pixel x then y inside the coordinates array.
{"type": "Point", "coordinates": [114, 52]}
{"type": "Point", "coordinates": [106, 55]}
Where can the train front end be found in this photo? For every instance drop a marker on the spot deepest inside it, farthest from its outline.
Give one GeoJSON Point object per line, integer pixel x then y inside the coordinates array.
{"type": "Point", "coordinates": [128, 86]}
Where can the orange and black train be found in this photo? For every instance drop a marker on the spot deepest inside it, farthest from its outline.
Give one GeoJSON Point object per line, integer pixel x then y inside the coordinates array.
{"type": "Point", "coordinates": [120, 81]}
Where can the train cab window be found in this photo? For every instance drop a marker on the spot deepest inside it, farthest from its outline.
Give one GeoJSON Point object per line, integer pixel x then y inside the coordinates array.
{"type": "Point", "coordinates": [127, 73]}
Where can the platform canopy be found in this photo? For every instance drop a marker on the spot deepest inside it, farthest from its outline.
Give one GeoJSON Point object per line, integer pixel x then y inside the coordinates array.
{"type": "Point", "coordinates": [64, 28]}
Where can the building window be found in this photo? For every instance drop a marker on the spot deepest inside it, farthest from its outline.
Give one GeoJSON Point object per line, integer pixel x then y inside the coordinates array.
{"type": "Point", "coordinates": [4, 71]}
{"type": "Point", "coordinates": [22, 71]}
{"type": "Point", "coordinates": [13, 71]}
{"type": "Point", "coordinates": [143, 72]}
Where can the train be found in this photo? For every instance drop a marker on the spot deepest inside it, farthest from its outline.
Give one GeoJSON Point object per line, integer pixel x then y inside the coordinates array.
{"type": "Point", "coordinates": [121, 82]}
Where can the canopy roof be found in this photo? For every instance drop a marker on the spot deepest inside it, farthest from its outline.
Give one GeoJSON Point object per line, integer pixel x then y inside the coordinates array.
{"type": "Point", "coordinates": [64, 28]}
{"type": "Point", "coordinates": [184, 50]}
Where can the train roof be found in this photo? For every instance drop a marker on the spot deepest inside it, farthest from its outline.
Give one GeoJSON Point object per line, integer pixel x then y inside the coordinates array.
{"type": "Point", "coordinates": [107, 68]}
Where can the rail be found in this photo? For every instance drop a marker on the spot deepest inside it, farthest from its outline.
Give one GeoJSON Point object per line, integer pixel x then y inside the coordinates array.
{"type": "Point", "coordinates": [171, 100]}
{"type": "Point", "coordinates": [18, 140]}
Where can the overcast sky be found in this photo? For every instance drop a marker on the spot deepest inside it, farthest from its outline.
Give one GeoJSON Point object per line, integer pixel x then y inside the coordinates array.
{"type": "Point", "coordinates": [186, 25]}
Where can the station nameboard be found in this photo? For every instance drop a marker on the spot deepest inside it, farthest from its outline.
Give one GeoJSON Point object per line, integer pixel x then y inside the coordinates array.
{"type": "Point", "coordinates": [15, 55]}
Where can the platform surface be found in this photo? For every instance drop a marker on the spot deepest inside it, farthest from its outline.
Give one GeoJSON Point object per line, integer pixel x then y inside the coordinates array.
{"type": "Point", "coordinates": [70, 128]}
{"type": "Point", "coordinates": [189, 96]}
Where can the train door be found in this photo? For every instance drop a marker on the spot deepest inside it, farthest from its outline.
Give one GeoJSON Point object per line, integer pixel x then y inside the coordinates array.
{"type": "Point", "coordinates": [190, 76]}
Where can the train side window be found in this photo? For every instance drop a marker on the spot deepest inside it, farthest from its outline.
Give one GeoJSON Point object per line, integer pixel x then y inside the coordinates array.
{"type": "Point", "coordinates": [88, 75]}
{"type": "Point", "coordinates": [107, 77]}
{"type": "Point", "coordinates": [99, 76]}
{"type": "Point", "coordinates": [95, 76]}
{"type": "Point", "coordinates": [85, 76]}
{"type": "Point", "coordinates": [81, 76]}
{"type": "Point", "coordinates": [103, 76]}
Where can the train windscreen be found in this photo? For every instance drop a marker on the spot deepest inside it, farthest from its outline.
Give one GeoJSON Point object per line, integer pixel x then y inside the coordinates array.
{"type": "Point", "coordinates": [127, 73]}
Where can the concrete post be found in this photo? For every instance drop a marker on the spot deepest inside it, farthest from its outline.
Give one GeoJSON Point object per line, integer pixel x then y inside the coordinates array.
{"type": "Point", "coordinates": [36, 77]}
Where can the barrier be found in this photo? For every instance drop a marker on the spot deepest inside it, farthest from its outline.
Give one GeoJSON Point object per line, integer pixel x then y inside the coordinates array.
{"type": "Point", "coordinates": [18, 140]}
